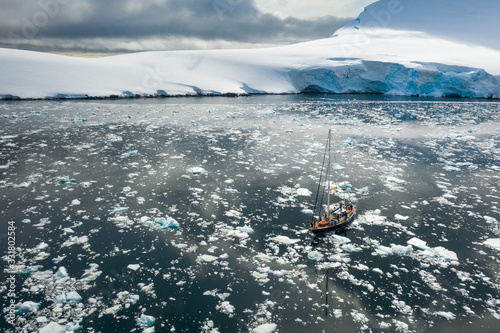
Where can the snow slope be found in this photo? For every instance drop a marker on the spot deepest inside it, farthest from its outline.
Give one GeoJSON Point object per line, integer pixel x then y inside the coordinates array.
{"type": "Point", "coordinates": [399, 47]}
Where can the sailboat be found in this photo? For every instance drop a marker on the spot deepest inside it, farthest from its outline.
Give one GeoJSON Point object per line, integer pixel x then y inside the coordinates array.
{"type": "Point", "coordinates": [330, 217]}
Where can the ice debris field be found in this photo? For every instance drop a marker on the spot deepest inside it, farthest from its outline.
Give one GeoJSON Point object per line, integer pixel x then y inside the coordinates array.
{"type": "Point", "coordinates": [192, 216]}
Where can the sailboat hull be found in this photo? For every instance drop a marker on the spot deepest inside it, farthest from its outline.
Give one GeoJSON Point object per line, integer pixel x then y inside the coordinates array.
{"type": "Point", "coordinates": [332, 226]}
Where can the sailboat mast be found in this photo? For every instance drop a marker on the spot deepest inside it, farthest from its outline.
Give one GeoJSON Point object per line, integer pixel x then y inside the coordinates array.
{"type": "Point", "coordinates": [328, 174]}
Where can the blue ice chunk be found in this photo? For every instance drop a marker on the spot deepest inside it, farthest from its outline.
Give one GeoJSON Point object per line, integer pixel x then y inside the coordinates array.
{"type": "Point", "coordinates": [145, 321]}
{"type": "Point", "coordinates": [73, 297]}
{"type": "Point", "coordinates": [61, 298]}
{"type": "Point", "coordinates": [349, 142]}
{"type": "Point", "coordinates": [28, 307]}
{"type": "Point", "coordinates": [118, 210]}
{"type": "Point", "coordinates": [246, 229]}
{"type": "Point", "coordinates": [167, 223]}
{"type": "Point", "coordinates": [61, 273]}
{"type": "Point", "coordinates": [65, 179]}
{"type": "Point", "coordinates": [196, 170]}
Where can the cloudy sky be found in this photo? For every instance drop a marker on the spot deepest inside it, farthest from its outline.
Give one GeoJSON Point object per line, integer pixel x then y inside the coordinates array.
{"type": "Point", "coordinates": [134, 25]}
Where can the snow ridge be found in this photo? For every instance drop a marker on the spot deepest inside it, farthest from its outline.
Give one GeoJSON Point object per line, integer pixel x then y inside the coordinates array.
{"type": "Point", "coordinates": [396, 47]}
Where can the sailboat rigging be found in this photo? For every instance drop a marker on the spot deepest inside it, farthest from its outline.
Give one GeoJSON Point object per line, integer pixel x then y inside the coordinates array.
{"type": "Point", "coordinates": [339, 215]}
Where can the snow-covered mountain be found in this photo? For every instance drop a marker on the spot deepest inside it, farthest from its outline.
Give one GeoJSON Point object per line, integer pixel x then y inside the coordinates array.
{"type": "Point", "coordinates": [398, 47]}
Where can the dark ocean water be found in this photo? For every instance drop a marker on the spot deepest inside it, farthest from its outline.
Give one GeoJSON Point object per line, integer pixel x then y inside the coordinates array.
{"type": "Point", "coordinates": [91, 187]}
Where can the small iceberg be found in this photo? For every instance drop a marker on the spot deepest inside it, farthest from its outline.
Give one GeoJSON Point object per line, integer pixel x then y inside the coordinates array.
{"type": "Point", "coordinates": [73, 297]}
{"type": "Point", "coordinates": [53, 327]}
{"type": "Point", "coordinates": [133, 267]}
{"type": "Point", "coordinates": [315, 255]}
{"type": "Point", "coordinates": [493, 243]}
{"type": "Point", "coordinates": [307, 211]}
{"type": "Point", "coordinates": [196, 170]}
{"type": "Point", "coordinates": [167, 223]}
{"type": "Point", "coordinates": [265, 328]}
{"type": "Point", "coordinates": [28, 307]}
{"type": "Point", "coordinates": [145, 321]}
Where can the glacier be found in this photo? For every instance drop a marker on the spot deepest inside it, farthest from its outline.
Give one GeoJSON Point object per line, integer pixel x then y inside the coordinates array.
{"type": "Point", "coordinates": [394, 47]}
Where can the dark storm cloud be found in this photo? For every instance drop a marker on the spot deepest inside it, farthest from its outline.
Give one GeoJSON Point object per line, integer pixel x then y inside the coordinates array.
{"type": "Point", "coordinates": [229, 20]}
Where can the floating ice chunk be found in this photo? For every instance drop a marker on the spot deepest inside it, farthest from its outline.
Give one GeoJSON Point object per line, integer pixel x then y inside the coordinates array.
{"type": "Point", "coordinates": [145, 321]}
{"type": "Point", "coordinates": [23, 185]}
{"type": "Point", "coordinates": [57, 260]}
{"type": "Point", "coordinates": [65, 179]}
{"type": "Point", "coordinates": [118, 210]}
{"type": "Point", "coordinates": [285, 200]}
{"type": "Point", "coordinates": [133, 267]}
{"type": "Point", "coordinates": [75, 202]}
{"type": "Point", "coordinates": [53, 327]}
{"type": "Point", "coordinates": [451, 168]}
{"type": "Point", "coordinates": [340, 257]}
{"type": "Point", "coordinates": [61, 273]}
{"type": "Point", "coordinates": [351, 248]}
{"type": "Point", "coordinates": [28, 307]}
{"type": "Point", "coordinates": [167, 223]}
{"type": "Point", "coordinates": [206, 258]}
{"type": "Point", "coordinates": [41, 256]}
{"type": "Point", "coordinates": [236, 233]}
{"type": "Point", "coordinates": [76, 240]}
{"type": "Point", "coordinates": [284, 240]}
{"type": "Point", "coordinates": [338, 167]}
{"type": "Point", "coordinates": [307, 211]}
{"type": "Point", "coordinates": [61, 298]}
{"type": "Point", "coordinates": [231, 190]}
{"type": "Point", "coordinates": [113, 137]}
{"type": "Point", "coordinates": [226, 307]}
{"type": "Point", "coordinates": [395, 180]}
{"type": "Point", "coordinates": [233, 213]}
{"type": "Point", "coordinates": [337, 313]}
{"type": "Point", "coordinates": [349, 142]}
{"type": "Point", "coordinates": [401, 217]}
{"type": "Point", "coordinates": [196, 170]}
{"type": "Point", "coordinates": [246, 229]}
{"type": "Point", "coordinates": [41, 246]}
{"type": "Point", "coordinates": [445, 314]}
{"type": "Point", "coordinates": [260, 277]}
{"type": "Point", "coordinates": [468, 310]}
{"type": "Point", "coordinates": [303, 192]}
{"type": "Point", "coordinates": [364, 190]}
{"type": "Point", "coordinates": [315, 255]}
{"type": "Point", "coordinates": [361, 267]}
{"type": "Point", "coordinates": [329, 265]}
{"type": "Point", "coordinates": [490, 219]}
{"type": "Point", "coordinates": [493, 243]}
{"type": "Point", "coordinates": [418, 243]}
{"type": "Point", "coordinates": [73, 297]}
{"type": "Point", "coordinates": [68, 231]}
{"type": "Point", "coordinates": [446, 254]}
{"type": "Point", "coordinates": [383, 251]}
{"type": "Point", "coordinates": [339, 239]}
{"type": "Point", "coordinates": [92, 273]}
{"type": "Point", "coordinates": [265, 328]}
{"type": "Point", "coordinates": [401, 326]}
{"type": "Point", "coordinates": [148, 289]}
{"type": "Point", "coordinates": [401, 249]}
{"type": "Point", "coordinates": [374, 218]}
